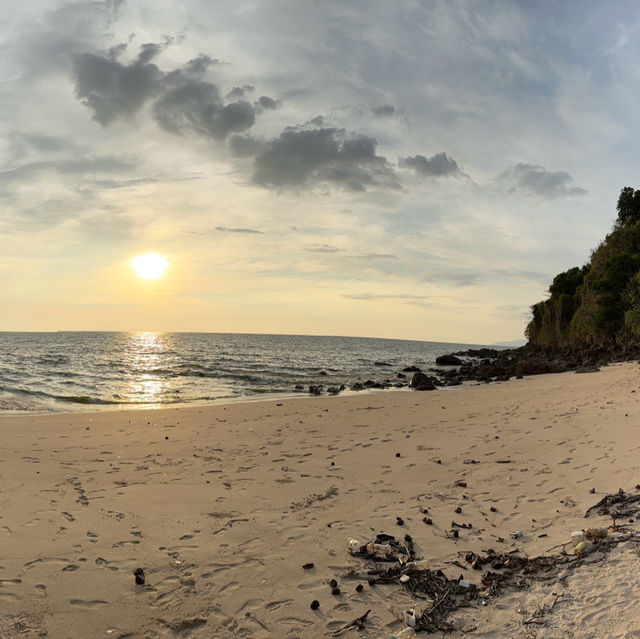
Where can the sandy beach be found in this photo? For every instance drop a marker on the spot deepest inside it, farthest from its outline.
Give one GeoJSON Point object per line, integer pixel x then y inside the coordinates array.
{"type": "Point", "coordinates": [222, 505]}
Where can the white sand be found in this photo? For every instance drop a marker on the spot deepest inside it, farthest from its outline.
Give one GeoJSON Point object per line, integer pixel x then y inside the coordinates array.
{"type": "Point", "coordinates": [223, 513]}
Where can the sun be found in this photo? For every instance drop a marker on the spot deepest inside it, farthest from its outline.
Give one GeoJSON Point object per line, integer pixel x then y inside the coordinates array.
{"type": "Point", "coordinates": [150, 266]}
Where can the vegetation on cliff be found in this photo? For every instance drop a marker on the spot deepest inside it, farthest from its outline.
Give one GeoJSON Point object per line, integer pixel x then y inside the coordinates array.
{"type": "Point", "coordinates": [598, 303]}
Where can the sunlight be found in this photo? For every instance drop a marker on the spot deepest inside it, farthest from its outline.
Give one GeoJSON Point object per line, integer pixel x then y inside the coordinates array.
{"type": "Point", "coordinates": [150, 266]}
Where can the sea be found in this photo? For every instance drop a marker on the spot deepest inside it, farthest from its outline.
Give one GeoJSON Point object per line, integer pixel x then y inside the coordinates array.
{"type": "Point", "coordinates": [71, 371]}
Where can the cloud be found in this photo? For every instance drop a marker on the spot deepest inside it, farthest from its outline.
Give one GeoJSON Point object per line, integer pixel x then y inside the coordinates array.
{"type": "Point", "coordinates": [416, 300]}
{"type": "Point", "coordinates": [383, 110]}
{"type": "Point", "coordinates": [81, 166]}
{"type": "Point", "coordinates": [224, 229]}
{"type": "Point", "coordinates": [375, 256]}
{"type": "Point", "coordinates": [328, 157]}
{"type": "Point", "coordinates": [324, 248]}
{"type": "Point", "coordinates": [183, 102]}
{"type": "Point", "coordinates": [536, 180]}
{"type": "Point", "coordinates": [195, 107]}
{"type": "Point", "coordinates": [438, 165]}
{"type": "Point", "coordinates": [267, 103]}
{"type": "Point", "coordinates": [244, 146]}
{"type": "Point", "coordinates": [111, 89]}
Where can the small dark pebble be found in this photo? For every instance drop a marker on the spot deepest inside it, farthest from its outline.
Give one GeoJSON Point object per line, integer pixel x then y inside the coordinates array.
{"type": "Point", "coordinates": [333, 583]}
{"type": "Point", "coordinates": [542, 535]}
{"type": "Point", "coordinates": [372, 582]}
{"type": "Point", "coordinates": [138, 573]}
{"type": "Point", "coordinates": [456, 534]}
{"type": "Point", "coordinates": [315, 604]}
{"type": "Point", "coordinates": [166, 436]}
{"type": "Point", "coordinates": [493, 509]}
{"type": "Point", "coordinates": [333, 463]}
{"type": "Point", "coordinates": [308, 566]}
{"type": "Point", "coordinates": [397, 454]}
{"type": "Point", "coordinates": [458, 510]}
{"type": "Point", "coordinates": [335, 591]}
{"type": "Point", "coordinates": [359, 588]}
{"type": "Point", "coordinates": [399, 521]}
{"type": "Point", "coordinates": [428, 521]}
{"type": "Point", "coordinates": [438, 461]}
{"type": "Point", "coordinates": [593, 490]}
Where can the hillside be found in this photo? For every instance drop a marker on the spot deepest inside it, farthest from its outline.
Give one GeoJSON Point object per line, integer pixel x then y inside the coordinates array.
{"type": "Point", "coordinates": [597, 304]}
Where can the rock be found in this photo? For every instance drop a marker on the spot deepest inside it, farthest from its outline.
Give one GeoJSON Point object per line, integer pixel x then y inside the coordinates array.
{"type": "Point", "coordinates": [315, 390]}
{"type": "Point", "coordinates": [358, 386]}
{"type": "Point", "coordinates": [422, 382]}
{"type": "Point", "coordinates": [587, 369]}
{"type": "Point", "coordinates": [479, 352]}
{"type": "Point", "coordinates": [411, 369]}
{"type": "Point", "coordinates": [323, 373]}
{"type": "Point", "coordinates": [138, 573]}
{"type": "Point", "coordinates": [448, 360]}
{"type": "Point", "coordinates": [333, 390]}
{"type": "Point", "coordinates": [401, 376]}
{"type": "Point", "coordinates": [299, 387]}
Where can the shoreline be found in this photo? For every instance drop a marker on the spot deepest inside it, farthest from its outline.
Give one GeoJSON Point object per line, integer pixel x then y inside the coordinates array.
{"type": "Point", "coordinates": [222, 504]}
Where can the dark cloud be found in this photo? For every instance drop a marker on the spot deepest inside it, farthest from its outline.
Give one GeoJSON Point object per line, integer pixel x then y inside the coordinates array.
{"type": "Point", "coordinates": [536, 180]}
{"type": "Point", "coordinates": [196, 107]}
{"type": "Point", "coordinates": [329, 157]}
{"type": "Point", "coordinates": [111, 89]}
{"type": "Point", "coordinates": [244, 146]}
{"type": "Point", "coordinates": [198, 66]}
{"type": "Point", "coordinates": [267, 103]}
{"type": "Point", "coordinates": [224, 229]}
{"type": "Point", "coordinates": [183, 102]}
{"type": "Point", "coordinates": [438, 165]}
{"type": "Point", "coordinates": [238, 93]}
{"type": "Point", "coordinates": [383, 110]}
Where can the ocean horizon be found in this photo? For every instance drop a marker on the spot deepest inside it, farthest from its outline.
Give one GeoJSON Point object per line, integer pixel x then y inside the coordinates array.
{"type": "Point", "coordinates": [93, 370]}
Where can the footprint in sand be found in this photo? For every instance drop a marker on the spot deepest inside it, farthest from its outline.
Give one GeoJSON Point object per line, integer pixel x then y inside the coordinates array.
{"type": "Point", "coordinates": [88, 604]}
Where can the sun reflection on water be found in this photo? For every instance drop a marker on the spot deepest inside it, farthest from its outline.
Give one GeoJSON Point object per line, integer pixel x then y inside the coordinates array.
{"type": "Point", "coordinates": [143, 354]}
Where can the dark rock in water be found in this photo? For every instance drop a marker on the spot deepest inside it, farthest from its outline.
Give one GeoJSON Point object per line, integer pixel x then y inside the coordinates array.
{"type": "Point", "coordinates": [315, 390]}
{"type": "Point", "coordinates": [381, 364]}
{"type": "Point", "coordinates": [587, 369]}
{"type": "Point", "coordinates": [401, 376]}
{"type": "Point", "coordinates": [299, 387]}
{"type": "Point", "coordinates": [482, 353]}
{"type": "Point", "coordinates": [448, 360]}
{"type": "Point", "coordinates": [422, 382]}
{"type": "Point", "coordinates": [370, 384]}
{"type": "Point", "coordinates": [358, 386]}
{"type": "Point", "coordinates": [333, 390]}
{"type": "Point", "coordinates": [323, 373]}
{"type": "Point", "coordinates": [399, 385]}
{"type": "Point", "coordinates": [411, 369]}
{"type": "Point", "coordinates": [342, 387]}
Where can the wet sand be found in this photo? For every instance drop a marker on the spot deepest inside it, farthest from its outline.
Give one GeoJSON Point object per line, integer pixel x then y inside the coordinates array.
{"type": "Point", "coordinates": [222, 505]}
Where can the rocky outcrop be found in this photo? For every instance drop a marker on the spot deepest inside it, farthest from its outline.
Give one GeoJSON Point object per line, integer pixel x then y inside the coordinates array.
{"type": "Point", "coordinates": [448, 360]}
{"type": "Point", "coordinates": [422, 382]}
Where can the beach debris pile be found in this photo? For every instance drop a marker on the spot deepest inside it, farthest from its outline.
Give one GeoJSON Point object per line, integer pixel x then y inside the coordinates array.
{"type": "Point", "coordinates": [440, 595]}
{"type": "Point", "coordinates": [617, 505]}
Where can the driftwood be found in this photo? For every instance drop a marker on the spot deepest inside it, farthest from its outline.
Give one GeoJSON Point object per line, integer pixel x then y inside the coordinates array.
{"type": "Point", "coordinates": [356, 624]}
{"type": "Point", "coordinates": [617, 505]}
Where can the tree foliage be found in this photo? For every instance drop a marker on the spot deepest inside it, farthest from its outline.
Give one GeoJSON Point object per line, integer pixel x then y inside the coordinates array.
{"type": "Point", "coordinates": [599, 302]}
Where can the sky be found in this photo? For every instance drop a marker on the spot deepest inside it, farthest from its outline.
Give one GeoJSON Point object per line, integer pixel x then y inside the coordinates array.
{"type": "Point", "coordinates": [418, 169]}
